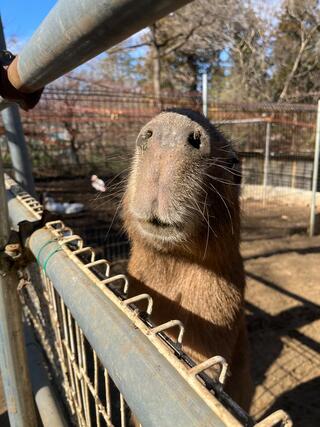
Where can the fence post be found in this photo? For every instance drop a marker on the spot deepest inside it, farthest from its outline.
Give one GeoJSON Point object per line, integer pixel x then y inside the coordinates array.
{"type": "Point", "coordinates": [16, 141]}
{"type": "Point", "coordinates": [205, 94]}
{"type": "Point", "coordinates": [13, 361]}
{"type": "Point", "coordinates": [315, 176]}
{"type": "Point", "coordinates": [266, 161]}
{"type": "Point", "coordinates": [18, 148]}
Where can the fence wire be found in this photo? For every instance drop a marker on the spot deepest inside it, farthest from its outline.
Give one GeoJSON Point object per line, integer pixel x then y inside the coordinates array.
{"type": "Point", "coordinates": [276, 145]}
{"type": "Point", "coordinates": [88, 392]}
{"type": "Point", "coordinates": [74, 133]}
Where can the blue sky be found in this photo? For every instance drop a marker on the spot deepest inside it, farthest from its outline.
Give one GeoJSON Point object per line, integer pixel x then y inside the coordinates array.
{"type": "Point", "coordinates": [21, 17]}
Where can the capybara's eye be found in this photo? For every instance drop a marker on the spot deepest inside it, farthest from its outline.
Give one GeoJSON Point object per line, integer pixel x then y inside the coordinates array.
{"type": "Point", "coordinates": [147, 134]}
{"type": "Point", "coordinates": [194, 139]}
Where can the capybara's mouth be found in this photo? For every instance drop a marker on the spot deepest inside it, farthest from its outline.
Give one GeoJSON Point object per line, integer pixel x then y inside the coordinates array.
{"type": "Point", "coordinates": [157, 222]}
{"type": "Point", "coordinates": [156, 228]}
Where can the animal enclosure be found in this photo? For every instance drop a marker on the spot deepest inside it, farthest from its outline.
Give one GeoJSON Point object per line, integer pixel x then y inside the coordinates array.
{"type": "Point", "coordinates": [101, 360]}
{"type": "Point", "coordinates": [72, 347]}
{"type": "Point", "coordinates": [86, 133]}
{"type": "Point", "coordinates": [72, 134]}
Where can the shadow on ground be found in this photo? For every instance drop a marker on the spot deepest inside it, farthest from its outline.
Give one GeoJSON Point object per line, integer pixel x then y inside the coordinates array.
{"type": "Point", "coordinates": [4, 420]}
{"type": "Point", "coordinates": [295, 401]}
{"type": "Point", "coordinates": [283, 357]}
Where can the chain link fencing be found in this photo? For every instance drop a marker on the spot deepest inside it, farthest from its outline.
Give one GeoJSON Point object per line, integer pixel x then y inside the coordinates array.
{"type": "Point", "coordinates": [74, 133]}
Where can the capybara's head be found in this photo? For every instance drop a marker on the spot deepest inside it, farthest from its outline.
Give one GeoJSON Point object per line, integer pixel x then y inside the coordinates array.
{"type": "Point", "coordinates": [184, 183]}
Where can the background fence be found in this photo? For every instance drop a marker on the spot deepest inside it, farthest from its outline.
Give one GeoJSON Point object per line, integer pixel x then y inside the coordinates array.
{"type": "Point", "coordinates": [71, 132]}
{"type": "Point", "coordinates": [74, 133]}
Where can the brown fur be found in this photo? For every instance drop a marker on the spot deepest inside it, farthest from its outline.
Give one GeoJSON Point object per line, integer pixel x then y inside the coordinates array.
{"type": "Point", "coordinates": [181, 211]}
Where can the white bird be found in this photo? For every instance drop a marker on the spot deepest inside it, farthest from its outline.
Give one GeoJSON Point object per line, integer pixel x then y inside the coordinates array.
{"type": "Point", "coordinates": [98, 184]}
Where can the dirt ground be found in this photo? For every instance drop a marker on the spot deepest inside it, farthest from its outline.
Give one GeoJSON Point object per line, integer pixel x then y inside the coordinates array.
{"type": "Point", "coordinates": [283, 306]}
{"type": "Point", "coordinates": [282, 302]}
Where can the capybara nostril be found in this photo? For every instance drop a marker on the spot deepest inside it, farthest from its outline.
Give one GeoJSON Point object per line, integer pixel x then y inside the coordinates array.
{"type": "Point", "coordinates": [148, 134]}
{"type": "Point", "coordinates": [194, 139]}
{"type": "Point", "coordinates": [143, 138]}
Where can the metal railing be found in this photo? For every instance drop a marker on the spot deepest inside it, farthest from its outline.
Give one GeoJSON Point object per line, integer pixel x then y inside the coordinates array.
{"type": "Point", "coordinates": [77, 30]}
{"type": "Point", "coordinates": [103, 349]}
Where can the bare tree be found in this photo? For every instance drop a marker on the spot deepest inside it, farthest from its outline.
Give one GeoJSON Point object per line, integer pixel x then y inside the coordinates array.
{"type": "Point", "coordinates": [303, 19]}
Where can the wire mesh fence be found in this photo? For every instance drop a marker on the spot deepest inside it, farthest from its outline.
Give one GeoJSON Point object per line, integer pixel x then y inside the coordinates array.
{"type": "Point", "coordinates": [82, 132]}
{"type": "Point", "coordinates": [76, 132]}
{"type": "Point", "coordinates": [276, 145]}
{"type": "Point", "coordinates": [281, 135]}
{"type": "Point", "coordinates": [88, 392]}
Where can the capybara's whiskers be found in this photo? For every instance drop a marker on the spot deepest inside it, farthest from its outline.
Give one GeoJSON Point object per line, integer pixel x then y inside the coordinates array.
{"type": "Point", "coordinates": [225, 205]}
{"type": "Point", "coordinates": [222, 181]}
{"type": "Point", "coordinates": [178, 202]}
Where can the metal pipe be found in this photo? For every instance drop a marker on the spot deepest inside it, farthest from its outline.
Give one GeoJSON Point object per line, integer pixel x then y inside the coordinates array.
{"type": "Point", "coordinates": [155, 389]}
{"type": "Point", "coordinates": [50, 411]}
{"type": "Point", "coordinates": [152, 378]}
{"type": "Point", "coordinates": [205, 94]}
{"type": "Point", "coordinates": [77, 30]}
{"type": "Point", "coordinates": [16, 141]}
{"type": "Point", "coordinates": [239, 121]}
{"type": "Point", "coordinates": [4, 103]}
{"type": "Point", "coordinates": [16, 214]}
{"type": "Point", "coordinates": [4, 219]}
{"type": "Point", "coordinates": [13, 362]}
{"type": "Point", "coordinates": [19, 154]}
{"type": "Point", "coordinates": [315, 178]}
{"type": "Point", "coordinates": [266, 161]}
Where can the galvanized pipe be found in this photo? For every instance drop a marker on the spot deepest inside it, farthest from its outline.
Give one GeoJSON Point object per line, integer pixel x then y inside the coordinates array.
{"type": "Point", "coordinates": [160, 392]}
{"type": "Point", "coordinates": [205, 94]}
{"type": "Point", "coordinates": [50, 411]}
{"type": "Point", "coordinates": [16, 141]}
{"type": "Point", "coordinates": [266, 161]}
{"type": "Point", "coordinates": [4, 103]}
{"type": "Point", "coordinates": [13, 362]}
{"type": "Point", "coordinates": [19, 154]}
{"type": "Point", "coordinates": [4, 219]}
{"type": "Point", "coordinates": [76, 31]}
{"type": "Point", "coordinates": [153, 388]}
{"type": "Point", "coordinates": [315, 178]}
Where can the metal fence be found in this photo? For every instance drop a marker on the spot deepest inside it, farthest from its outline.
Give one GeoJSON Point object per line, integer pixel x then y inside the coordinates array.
{"type": "Point", "coordinates": [276, 141]}
{"type": "Point", "coordinates": [82, 132]}
{"type": "Point", "coordinates": [276, 144]}
{"type": "Point", "coordinates": [102, 348]}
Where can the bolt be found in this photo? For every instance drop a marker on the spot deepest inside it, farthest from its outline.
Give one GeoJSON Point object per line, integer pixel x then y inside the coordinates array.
{"type": "Point", "coordinates": [13, 249]}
